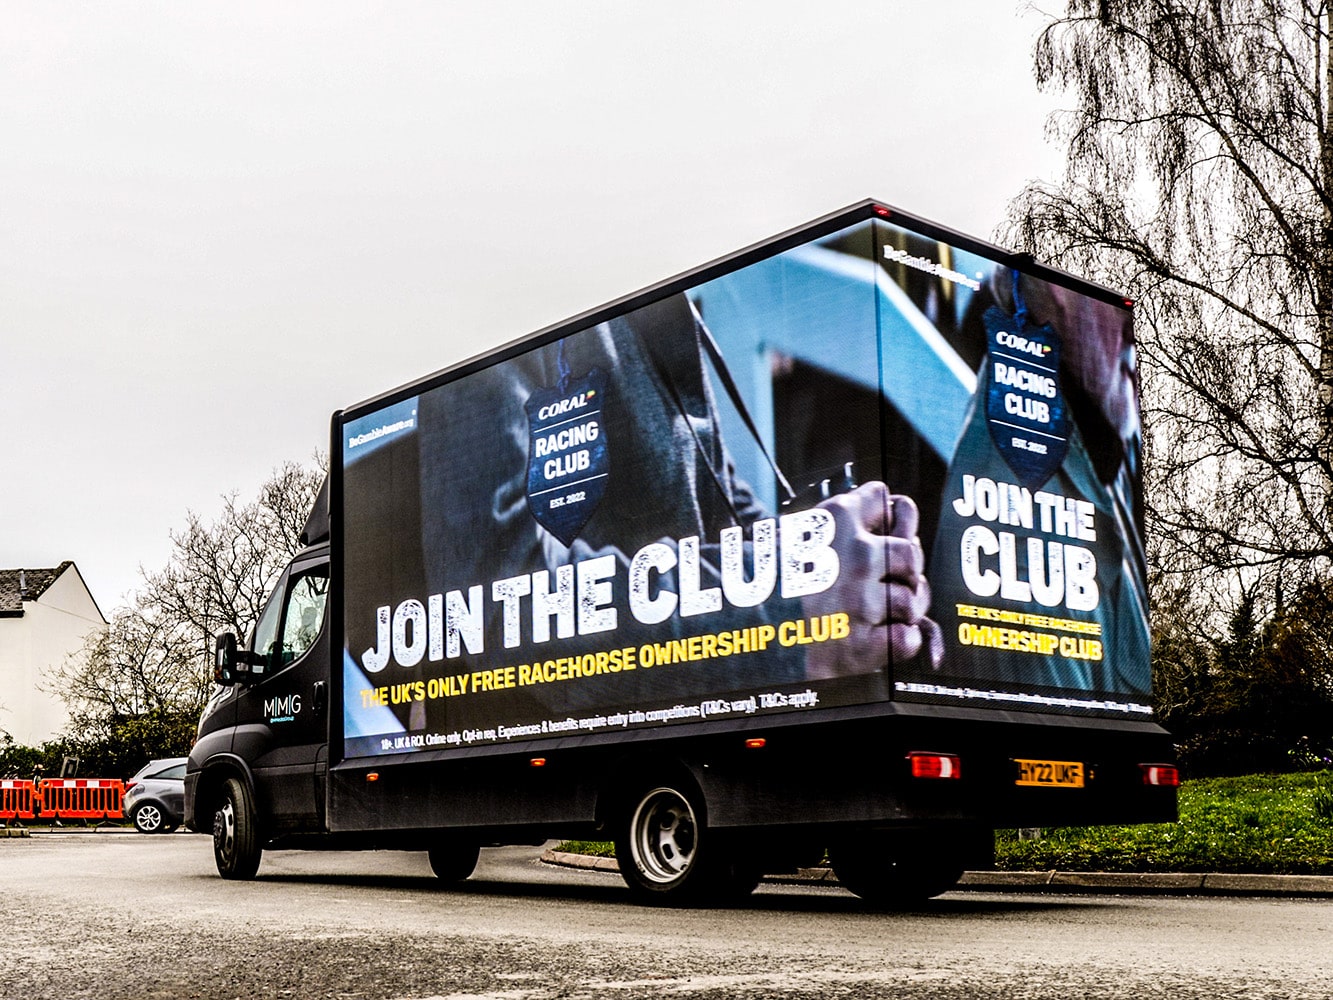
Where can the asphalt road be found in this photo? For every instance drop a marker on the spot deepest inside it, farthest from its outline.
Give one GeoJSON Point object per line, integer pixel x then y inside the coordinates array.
{"type": "Point", "coordinates": [110, 915]}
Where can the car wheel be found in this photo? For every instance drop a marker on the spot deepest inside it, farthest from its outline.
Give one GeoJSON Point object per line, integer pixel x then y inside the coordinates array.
{"type": "Point", "coordinates": [148, 818]}
{"type": "Point", "coordinates": [236, 845]}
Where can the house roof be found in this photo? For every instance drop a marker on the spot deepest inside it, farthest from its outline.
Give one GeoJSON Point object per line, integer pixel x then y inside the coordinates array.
{"type": "Point", "coordinates": [19, 585]}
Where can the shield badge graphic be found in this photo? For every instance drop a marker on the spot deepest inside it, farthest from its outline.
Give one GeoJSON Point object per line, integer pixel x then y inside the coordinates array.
{"type": "Point", "coordinates": [568, 461]}
{"type": "Point", "coordinates": [1026, 411]}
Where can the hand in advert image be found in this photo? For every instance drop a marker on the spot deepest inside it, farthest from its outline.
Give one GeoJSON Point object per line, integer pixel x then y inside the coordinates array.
{"type": "Point", "coordinates": [883, 584]}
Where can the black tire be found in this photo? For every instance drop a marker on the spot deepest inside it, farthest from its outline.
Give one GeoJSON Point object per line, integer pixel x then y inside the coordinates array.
{"type": "Point", "coordinates": [734, 879]}
{"type": "Point", "coordinates": [149, 818]}
{"type": "Point", "coordinates": [667, 854]}
{"type": "Point", "coordinates": [454, 859]}
{"type": "Point", "coordinates": [236, 844]}
{"type": "Point", "coordinates": [898, 868]}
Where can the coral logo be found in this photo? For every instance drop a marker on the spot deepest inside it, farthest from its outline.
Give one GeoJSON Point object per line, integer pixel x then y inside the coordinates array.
{"type": "Point", "coordinates": [1016, 343]}
{"type": "Point", "coordinates": [565, 405]}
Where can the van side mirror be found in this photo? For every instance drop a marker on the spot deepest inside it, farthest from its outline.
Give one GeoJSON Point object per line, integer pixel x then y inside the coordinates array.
{"type": "Point", "coordinates": [225, 663]}
{"type": "Point", "coordinates": [232, 664]}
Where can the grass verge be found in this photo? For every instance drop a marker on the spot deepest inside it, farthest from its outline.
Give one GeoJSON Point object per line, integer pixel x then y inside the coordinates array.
{"type": "Point", "coordinates": [1279, 824]}
{"type": "Point", "coordinates": [597, 848]}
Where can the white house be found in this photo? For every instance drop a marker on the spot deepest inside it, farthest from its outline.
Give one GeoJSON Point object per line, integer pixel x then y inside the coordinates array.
{"type": "Point", "coordinates": [45, 616]}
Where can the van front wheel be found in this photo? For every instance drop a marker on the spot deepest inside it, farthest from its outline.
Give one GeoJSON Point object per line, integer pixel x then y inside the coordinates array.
{"type": "Point", "coordinates": [236, 845]}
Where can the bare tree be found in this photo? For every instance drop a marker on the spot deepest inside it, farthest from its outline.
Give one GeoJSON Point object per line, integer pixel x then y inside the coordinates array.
{"type": "Point", "coordinates": [140, 663]}
{"type": "Point", "coordinates": [1200, 180]}
{"type": "Point", "coordinates": [155, 655]}
{"type": "Point", "coordinates": [220, 573]}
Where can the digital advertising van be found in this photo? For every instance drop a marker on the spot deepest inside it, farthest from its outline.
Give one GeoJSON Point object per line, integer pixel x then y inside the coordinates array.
{"type": "Point", "coordinates": [835, 544]}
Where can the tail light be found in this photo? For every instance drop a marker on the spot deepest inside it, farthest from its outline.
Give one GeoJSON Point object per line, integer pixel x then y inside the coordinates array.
{"type": "Point", "coordinates": [935, 765]}
{"type": "Point", "coordinates": [1160, 775]}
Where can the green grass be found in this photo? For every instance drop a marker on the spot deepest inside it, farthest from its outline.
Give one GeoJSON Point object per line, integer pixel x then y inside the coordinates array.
{"type": "Point", "coordinates": [1260, 823]}
{"type": "Point", "coordinates": [597, 848]}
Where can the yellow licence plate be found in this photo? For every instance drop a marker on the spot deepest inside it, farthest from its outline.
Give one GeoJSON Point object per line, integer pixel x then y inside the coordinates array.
{"type": "Point", "coordinates": [1049, 773]}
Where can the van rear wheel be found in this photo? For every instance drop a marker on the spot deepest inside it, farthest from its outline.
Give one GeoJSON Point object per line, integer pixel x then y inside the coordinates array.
{"type": "Point", "coordinates": [667, 854]}
{"type": "Point", "coordinates": [899, 868]}
{"type": "Point", "coordinates": [453, 860]}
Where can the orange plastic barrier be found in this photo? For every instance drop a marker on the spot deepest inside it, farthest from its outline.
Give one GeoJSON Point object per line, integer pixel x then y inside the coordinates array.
{"type": "Point", "coordinates": [82, 798]}
{"type": "Point", "coordinates": [18, 800]}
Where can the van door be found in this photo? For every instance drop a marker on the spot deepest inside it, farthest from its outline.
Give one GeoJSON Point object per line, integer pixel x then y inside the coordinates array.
{"type": "Point", "coordinates": [282, 720]}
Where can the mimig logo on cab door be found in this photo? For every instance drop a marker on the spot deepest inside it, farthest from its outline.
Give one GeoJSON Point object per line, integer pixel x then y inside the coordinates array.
{"type": "Point", "coordinates": [284, 709]}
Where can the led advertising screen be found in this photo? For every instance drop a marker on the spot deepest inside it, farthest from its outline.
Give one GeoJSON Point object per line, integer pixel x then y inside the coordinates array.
{"type": "Point", "coordinates": [873, 466]}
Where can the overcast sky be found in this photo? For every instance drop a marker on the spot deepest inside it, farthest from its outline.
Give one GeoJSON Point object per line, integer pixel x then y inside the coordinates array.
{"type": "Point", "coordinates": [221, 222]}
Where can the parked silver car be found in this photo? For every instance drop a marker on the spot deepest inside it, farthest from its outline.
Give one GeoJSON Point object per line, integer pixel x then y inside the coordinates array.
{"type": "Point", "coordinates": [155, 797]}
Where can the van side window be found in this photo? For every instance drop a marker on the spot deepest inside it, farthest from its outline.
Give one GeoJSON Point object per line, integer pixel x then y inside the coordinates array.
{"type": "Point", "coordinates": [305, 612]}
{"type": "Point", "coordinates": [265, 638]}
